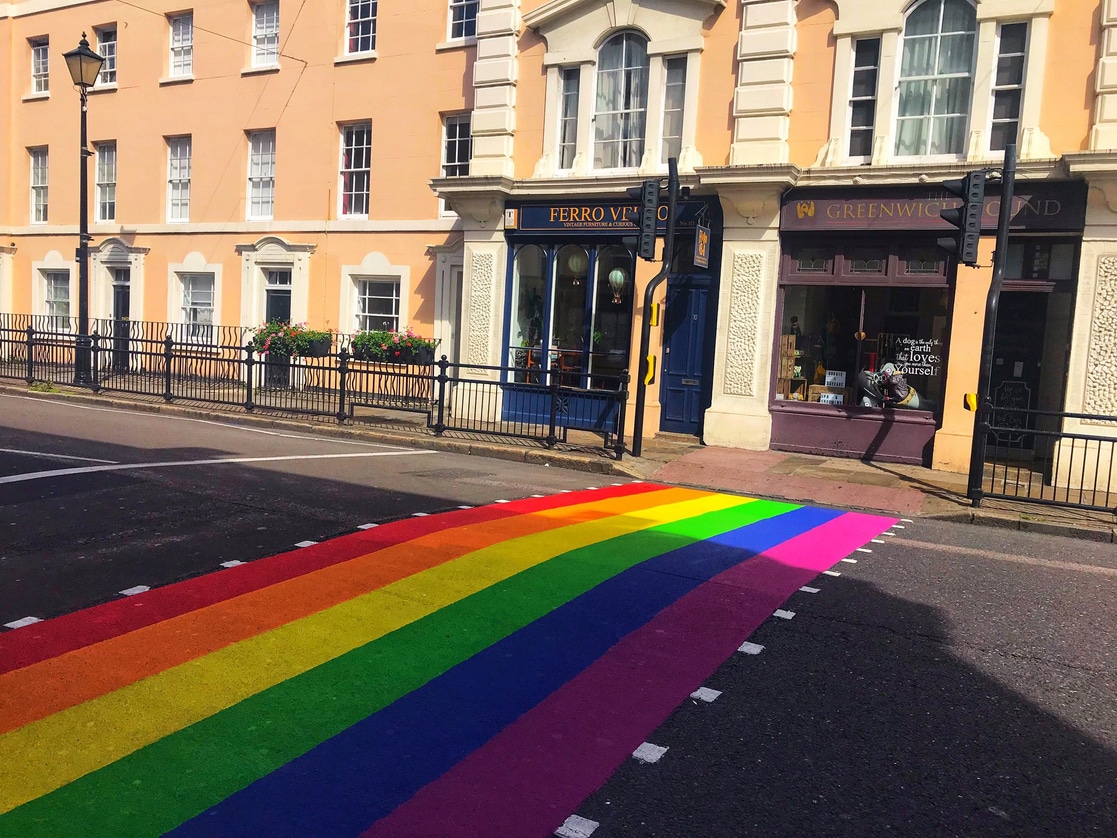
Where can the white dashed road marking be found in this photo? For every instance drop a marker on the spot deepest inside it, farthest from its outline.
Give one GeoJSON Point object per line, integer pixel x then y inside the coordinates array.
{"type": "Point", "coordinates": [705, 694]}
{"type": "Point", "coordinates": [138, 589]}
{"type": "Point", "coordinates": [850, 561]}
{"type": "Point", "coordinates": [648, 752]}
{"type": "Point", "coordinates": [26, 621]}
{"type": "Point", "coordinates": [807, 589]}
{"type": "Point", "coordinates": [367, 526]}
{"type": "Point", "coordinates": [233, 563]}
{"type": "Point", "coordinates": [782, 614]}
{"type": "Point", "coordinates": [306, 543]}
{"type": "Point", "coordinates": [750, 648]}
{"type": "Point", "coordinates": [831, 573]}
{"type": "Point", "coordinates": [577, 827]}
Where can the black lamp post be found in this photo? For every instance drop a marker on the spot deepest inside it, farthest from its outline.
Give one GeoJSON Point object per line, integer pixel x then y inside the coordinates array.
{"type": "Point", "coordinates": [84, 66]}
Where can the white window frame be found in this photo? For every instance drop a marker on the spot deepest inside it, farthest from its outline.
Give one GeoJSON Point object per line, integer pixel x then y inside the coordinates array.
{"type": "Point", "coordinates": [360, 32]}
{"type": "Point", "coordinates": [40, 66]}
{"type": "Point", "coordinates": [570, 98]}
{"type": "Point", "coordinates": [665, 152]}
{"type": "Point", "coordinates": [179, 156]}
{"type": "Point", "coordinates": [374, 265]}
{"type": "Point", "coordinates": [105, 181]}
{"type": "Point", "coordinates": [363, 318]}
{"type": "Point", "coordinates": [347, 175]}
{"type": "Point", "coordinates": [462, 18]}
{"type": "Point", "coordinates": [39, 193]}
{"type": "Point", "coordinates": [265, 33]}
{"type": "Point", "coordinates": [260, 199]}
{"type": "Point", "coordinates": [847, 139]}
{"type": "Point", "coordinates": [453, 162]}
{"type": "Point", "coordinates": [197, 329]}
{"type": "Point", "coordinates": [997, 88]}
{"type": "Point", "coordinates": [180, 63]}
{"type": "Point", "coordinates": [106, 48]}
{"type": "Point", "coordinates": [640, 143]}
{"type": "Point", "coordinates": [972, 75]}
{"type": "Point", "coordinates": [53, 279]}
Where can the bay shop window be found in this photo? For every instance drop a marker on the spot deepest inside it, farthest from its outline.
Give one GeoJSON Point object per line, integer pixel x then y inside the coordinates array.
{"type": "Point", "coordinates": [570, 308]}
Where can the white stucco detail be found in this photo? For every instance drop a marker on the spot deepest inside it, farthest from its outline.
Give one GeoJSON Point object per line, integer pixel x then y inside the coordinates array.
{"type": "Point", "coordinates": [762, 100]}
{"type": "Point", "coordinates": [374, 265]}
{"type": "Point", "coordinates": [744, 316]}
{"type": "Point", "coordinates": [495, 74]}
{"type": "Point", "coordinates": [481, 307]}
{"type": "Point", "coordinates": [274, 253]}
{"type": "Point", "coordinates": [1100, 396]}
{"type": "Point", "coordinates": [111, 254]}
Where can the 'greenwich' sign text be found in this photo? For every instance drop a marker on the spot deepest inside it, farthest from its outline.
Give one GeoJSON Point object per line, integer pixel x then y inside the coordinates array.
{"type": "Point", "coordinates": [1035, 206]}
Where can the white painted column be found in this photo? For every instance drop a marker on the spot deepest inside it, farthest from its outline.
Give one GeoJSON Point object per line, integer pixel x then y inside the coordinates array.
{"type": "Point", "coordinates": [495, 74]}
{"type": "Point", "coordinates": [762, 101]}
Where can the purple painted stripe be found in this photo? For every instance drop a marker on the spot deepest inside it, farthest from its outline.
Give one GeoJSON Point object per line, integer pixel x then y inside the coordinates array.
{"type": "Point", "coordinates": [532, 775]}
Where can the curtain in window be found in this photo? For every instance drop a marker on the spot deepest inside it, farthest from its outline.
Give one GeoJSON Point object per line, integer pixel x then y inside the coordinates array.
{"type": "Point", "coordinates": [621, 102]}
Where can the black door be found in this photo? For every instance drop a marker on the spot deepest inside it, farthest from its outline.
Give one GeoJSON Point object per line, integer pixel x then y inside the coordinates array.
{"type": "Point", "coordinates": [1017, 356]}
{"type": "Point", "coordinates": [121, 325]}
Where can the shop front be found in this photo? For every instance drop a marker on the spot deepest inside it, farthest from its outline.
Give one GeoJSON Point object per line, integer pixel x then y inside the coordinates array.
{"type": "Point", "coordinates": [573, 288]}
{"type": "Point", "coordinates": [866, 313]}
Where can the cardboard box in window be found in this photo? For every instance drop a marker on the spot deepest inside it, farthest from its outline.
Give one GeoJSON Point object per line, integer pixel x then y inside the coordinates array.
{"type": "Point", "coordinates": [834, 395]}
{"type": "Point", "coordinates": [794, 389]}
{"type": "Point", "coordinates": [835, 378]}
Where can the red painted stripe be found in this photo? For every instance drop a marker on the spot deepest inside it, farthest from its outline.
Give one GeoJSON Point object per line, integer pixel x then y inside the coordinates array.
{"type": "Point", "coordinates": [532, 775]}
{"type": "Point", "coordinates": [37, 642]}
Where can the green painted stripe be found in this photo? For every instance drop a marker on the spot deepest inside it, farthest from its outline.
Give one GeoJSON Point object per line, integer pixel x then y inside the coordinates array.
{"type": "Point", "coordinates": [158, 787]}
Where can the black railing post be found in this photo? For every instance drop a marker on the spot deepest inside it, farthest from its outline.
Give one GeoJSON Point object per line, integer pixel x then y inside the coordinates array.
{"type": "Point", "coordinates": [622, 397]}
{"type": "Point", "coordinates": [442, 378]}
{"type": "Point", "coordinates": [343, 375]}
{"type": "Point", "coordinates": [95, 348]}
{"type": "Point", "coordinates": [553, 389]}
{"type": "Point", "coordinates": [30, 356]}
{"type": "Point", "coordinates": [168, 357]}
{"type": "Point", "coordinates": [249, 368]}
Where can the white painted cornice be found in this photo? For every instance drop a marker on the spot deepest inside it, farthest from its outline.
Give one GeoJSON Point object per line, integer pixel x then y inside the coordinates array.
{"type": "Point", "coordinates": [858, 17]}
{"type": "Point", "coordinates": [906, 174]}
{"type": "Point", "coordinates": [619, 10]}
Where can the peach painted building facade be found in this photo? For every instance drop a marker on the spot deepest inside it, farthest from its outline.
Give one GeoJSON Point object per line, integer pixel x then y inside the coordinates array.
{"type": "Point", "coordinates": [461, 167]}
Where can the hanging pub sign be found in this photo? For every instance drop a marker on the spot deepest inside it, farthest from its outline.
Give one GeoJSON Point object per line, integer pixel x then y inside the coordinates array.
{"type": "Point", "coordinates": [701, 246]}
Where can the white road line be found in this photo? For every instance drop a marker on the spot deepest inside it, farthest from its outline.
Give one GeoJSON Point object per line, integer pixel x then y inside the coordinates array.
{"type": "Point", "coordinates": [831, 573]}
{"type": "Point", "coordinates": [465, 507]}
{"type": "Point", "coordinates": [367, 526]}
{"type": "Point", "coordinates": [892, 534]}
{"type": "Point", "coordinates": [864, 550]}
{"type": "Point", "coordinates": [879, 541]}
{"type": "Point", "coordinates": [807, 589]}
{"type": "Point", "coordinates": [501, 501]}
{"type": "Point", "coordinates": [576, 827]}
{"type": "Point", "coordinates": [230, 426]}
{"type": "Point", "coordinates": [25, 621]}
{"type": "Point", "coordinates": [850, 561]}
{"type": "Point", "coordinates": [898, 527]}
{"type": "Point", "coordinates": [48, 456]}
{"type": "Point", "coordinates": [782, 614]}
{"type": "Point", "coordinates": [750, 648]}
{"type": "Point", "coordinates": [907, 520]}
{"type": "Point", "coordinates": [306, 543]}
{"type": "Point", "coordinates": [648, 753]}
{"type": "Point", "coordinates": [64, 472]}
{"type": "Point", "coordinates": [232, 563]}
{"type": "Point", "coordinates": [419, 514]}
{"type": "Point", "coordinates": [706, 694]}
{"type": "Point", "coordinates": [138, 589]}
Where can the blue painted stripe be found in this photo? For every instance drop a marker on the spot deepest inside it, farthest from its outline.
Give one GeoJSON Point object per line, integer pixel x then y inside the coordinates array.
{"type": "Point", "coordinates": [347, 783]}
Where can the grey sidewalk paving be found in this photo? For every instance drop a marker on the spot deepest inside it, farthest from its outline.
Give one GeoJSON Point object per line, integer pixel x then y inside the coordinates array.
{"type": "Point", "coordinates": [829, 481]}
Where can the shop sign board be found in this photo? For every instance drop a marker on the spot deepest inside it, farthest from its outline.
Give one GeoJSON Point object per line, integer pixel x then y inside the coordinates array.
{"type": "Point", "coordinates": [701, 246]}
{"type": "Point", "coordinates": [1053, 207]}
{"type": "Point", "coordinates": [918, 356]}
{"type": "Point", "coordinates": [619, 217]}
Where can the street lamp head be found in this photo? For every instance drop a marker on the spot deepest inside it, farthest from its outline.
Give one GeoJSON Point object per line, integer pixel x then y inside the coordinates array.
{"type": "Point", "coordinates": [84, 64]}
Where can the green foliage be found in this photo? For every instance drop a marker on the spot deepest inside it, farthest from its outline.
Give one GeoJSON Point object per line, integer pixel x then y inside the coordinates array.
{"type": "Point", "coordinates": [392, 346]}
{"type": "Point", "coordinates": [281, 338]}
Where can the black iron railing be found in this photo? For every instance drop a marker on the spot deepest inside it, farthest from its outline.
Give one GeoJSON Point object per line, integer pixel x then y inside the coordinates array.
{"type": "Point", "coordinates": [219, 365]}
{"type": "Point", "coordinates": [1050, 457]}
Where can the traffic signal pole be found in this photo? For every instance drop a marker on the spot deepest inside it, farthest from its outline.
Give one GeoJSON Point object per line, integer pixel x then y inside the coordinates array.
{"type": "Point", "coordinates": [649, 294]}
{"type": "Point", "coordinates": [983, 421]}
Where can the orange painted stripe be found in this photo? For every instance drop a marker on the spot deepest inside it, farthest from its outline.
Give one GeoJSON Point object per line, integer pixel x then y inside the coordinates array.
{"type": "Point", "coordinates": [37, 691]}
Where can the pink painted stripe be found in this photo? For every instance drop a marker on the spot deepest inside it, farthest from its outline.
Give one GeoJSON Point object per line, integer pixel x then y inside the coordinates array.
{"type": "Point", "coordinates": [533, 774]}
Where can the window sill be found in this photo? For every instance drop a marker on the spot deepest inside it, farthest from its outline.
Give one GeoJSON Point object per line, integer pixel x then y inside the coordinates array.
{"type": "Point", "coordinates": [103, 88]}
{"type": "Point", "coordinates": [35, 97]}
{"type": "Point", "coordinates": [261, 70]}
{"type": "Point", "coordinates": [456, 43]}
{"type": "Point", "coordinates": [356, 58]}
{"type": "Point", "coordinates": [170, 80]}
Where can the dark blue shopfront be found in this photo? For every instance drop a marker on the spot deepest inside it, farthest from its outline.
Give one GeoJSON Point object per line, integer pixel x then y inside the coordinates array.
{"type": "Point", "coordinates": [570, 305]}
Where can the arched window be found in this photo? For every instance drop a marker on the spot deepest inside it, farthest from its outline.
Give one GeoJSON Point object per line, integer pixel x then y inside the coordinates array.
{"type": "Point", "coordinates": [622, 102]}
{"type": "Point", "coordinates": [936, 78]}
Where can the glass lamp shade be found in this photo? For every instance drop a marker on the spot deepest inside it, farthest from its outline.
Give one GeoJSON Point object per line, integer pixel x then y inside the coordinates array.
{"type": "Point", "coordinates": [83, 63]}
{"type": "Point", "coordinates": [617, 280]}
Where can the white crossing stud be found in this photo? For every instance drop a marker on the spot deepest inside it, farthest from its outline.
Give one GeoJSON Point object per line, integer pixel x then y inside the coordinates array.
{"type": "Point", "coordinates": [232, 563]}
{"type": "Point", "coordinates": [898, 527]}
{"type": "Point", "coordinates": [648, 753]}
{"type": "Point", "coordinates": [878, 541]}
{"type": "Point", "coordinates": [537, 496]}
{"type": "Point", "coordinates": [576, 827]}
{"type": "Point", "coordinates": [705, 694]}
{"type": "Point", "coordinates": [890, 534]}
{"type": "Point", "coordinates": [831, 573]}
{"type": "Point", "coordinates": [367, 526]}
{"type": "Point", "coordinates": [850, 561]}
{"type": "Point", "coordinates": [750, 648]}
{"type": "Point", "coordinates": [782, 614]}
{"type": "Point", "coordinates": [23, 621]}
{"type": "Point", "coordinates": [864, 550]}
{"type": "Point", "coordinates": [501, 501]}
{"type": "Point", "coordinates": [907, 520]}
{"type": "Point", "coordinates": [138, 589]}
{"type": "Point", "coordinates": [419, 514]}
{"type": "Point", "coordinates": [465, 507]}
{"type": "Point", "coordinates": [306, 543]}
{"type": "Point", "coordinates": [591, 487]}
{"type": "Point", "coordinates": [807, 589]}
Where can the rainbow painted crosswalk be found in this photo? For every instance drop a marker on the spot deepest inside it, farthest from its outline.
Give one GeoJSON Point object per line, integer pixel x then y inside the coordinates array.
{"type": "Point", "coordinates": [478, 672]}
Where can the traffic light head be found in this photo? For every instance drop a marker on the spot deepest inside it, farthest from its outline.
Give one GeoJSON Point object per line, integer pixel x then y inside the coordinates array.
{"type": "Point", "coordinates": [966, 217]}
{"type": "Point", "coordinates": [647, 219]}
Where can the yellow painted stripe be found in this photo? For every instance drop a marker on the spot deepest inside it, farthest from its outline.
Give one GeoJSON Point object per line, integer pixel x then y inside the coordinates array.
{"type": "Point", "coordinates": [47, 754]}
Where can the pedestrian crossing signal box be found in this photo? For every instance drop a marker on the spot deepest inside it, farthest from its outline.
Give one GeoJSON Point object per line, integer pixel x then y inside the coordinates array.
{"type": "Point", "coordinates": [970, 402]}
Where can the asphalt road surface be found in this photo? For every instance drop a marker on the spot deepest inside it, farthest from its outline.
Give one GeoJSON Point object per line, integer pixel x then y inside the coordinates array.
{"type": "Point", "coordinates": [94, 501]}
{"type": "Point", "coordinates": [947, 680]}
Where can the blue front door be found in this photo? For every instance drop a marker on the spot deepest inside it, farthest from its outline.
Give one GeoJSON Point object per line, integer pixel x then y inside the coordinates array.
{"type": "Point", "coordinates": [687, 351]}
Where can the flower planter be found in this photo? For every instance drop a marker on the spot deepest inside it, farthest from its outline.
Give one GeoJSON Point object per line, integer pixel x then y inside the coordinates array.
{"type": "Point", "coordinates": [423, 355]}
{"type": "Point", "coordinates": [318, 347]}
